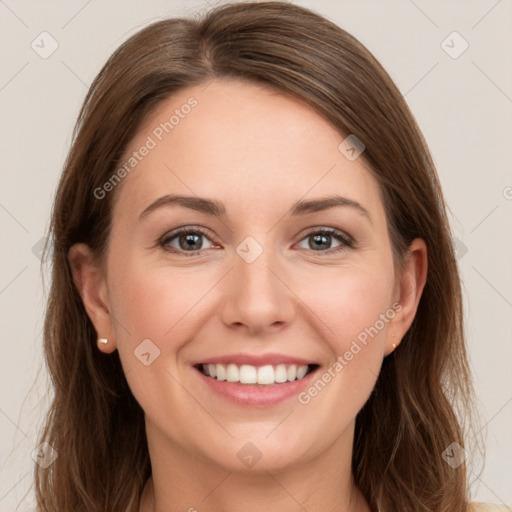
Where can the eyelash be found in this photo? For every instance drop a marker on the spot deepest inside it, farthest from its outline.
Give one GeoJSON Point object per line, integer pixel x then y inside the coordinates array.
{"type": "Point", "coordinates": [346, 240]}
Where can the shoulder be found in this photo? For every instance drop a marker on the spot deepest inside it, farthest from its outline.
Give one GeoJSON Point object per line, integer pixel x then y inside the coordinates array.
{"type": "Point", "coordinates": [489, 507]}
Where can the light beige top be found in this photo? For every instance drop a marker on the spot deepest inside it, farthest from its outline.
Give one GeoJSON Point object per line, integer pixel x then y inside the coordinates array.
{"type": "Point", "coordinates": [489, 507]}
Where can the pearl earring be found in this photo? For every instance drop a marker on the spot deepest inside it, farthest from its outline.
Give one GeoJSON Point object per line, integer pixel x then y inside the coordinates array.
{"type": "Point", "coordinates": [103, 341]}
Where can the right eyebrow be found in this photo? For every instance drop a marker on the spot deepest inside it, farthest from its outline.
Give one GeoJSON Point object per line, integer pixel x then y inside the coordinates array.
{"type": "Point", "coordinates": [208, 206]}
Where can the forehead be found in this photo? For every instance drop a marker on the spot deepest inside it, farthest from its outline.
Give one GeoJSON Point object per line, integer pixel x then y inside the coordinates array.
{"type": "Point", "coordinates": [243, 144]}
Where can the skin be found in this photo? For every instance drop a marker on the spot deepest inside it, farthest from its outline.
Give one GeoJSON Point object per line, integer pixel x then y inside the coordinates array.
{"type": "Point", "coordinates": [258, 152]}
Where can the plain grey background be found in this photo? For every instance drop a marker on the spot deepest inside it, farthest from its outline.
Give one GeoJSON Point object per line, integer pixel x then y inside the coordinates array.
{"type": "Point", "coordinates": [458, 86]}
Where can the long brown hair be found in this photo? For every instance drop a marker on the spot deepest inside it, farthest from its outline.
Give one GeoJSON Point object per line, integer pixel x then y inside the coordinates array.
{"type": "Point", "coordinates": [423, 394]}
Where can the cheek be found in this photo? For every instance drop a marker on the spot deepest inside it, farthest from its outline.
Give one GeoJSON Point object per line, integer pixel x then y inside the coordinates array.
{"type": "Point", "coordinates": [355, 310]}
{"type": "Point", "coordinates": [154, 302]}
{"type": "Point", "coordinates": [349, 302]}
{"type": "Point", "coordinates": [159, 305]}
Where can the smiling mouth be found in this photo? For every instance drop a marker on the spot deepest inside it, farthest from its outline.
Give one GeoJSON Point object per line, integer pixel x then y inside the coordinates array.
{"type": "Point", "coordinates": [266, 375]}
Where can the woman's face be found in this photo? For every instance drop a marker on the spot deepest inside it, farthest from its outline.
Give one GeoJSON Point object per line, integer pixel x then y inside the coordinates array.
{"type": "Point", "coordinates": [269, 281]}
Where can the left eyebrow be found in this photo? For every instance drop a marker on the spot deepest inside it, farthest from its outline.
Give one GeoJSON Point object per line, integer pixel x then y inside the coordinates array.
{"type": "Point", "coordinates": [326, 203]}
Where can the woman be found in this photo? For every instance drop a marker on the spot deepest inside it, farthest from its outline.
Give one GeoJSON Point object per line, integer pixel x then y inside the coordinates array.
{"type": "Point", "coordinates": [255, 301]}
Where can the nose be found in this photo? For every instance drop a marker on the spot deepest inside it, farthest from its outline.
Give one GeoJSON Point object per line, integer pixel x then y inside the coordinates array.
{"type": "Point", "coordinates": [257, 298]}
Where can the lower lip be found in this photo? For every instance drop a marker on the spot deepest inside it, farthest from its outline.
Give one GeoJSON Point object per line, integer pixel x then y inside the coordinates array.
{"type": "Point", "coordinates": [257, 395]}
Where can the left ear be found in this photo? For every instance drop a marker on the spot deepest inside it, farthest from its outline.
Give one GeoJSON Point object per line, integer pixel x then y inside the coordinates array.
{"type": "Point", "coordinates": [409, 289]}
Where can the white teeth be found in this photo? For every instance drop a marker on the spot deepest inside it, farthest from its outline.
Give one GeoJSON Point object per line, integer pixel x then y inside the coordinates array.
{"type": "Point", "coordinates": [221, 372]}
{"type": "Point", "coordinates": [248, 374]}
{"type": "Point", "coordinates": [232, 373]}
{"type": "Point", "coordinates": [301, 371]}
{"type": "Point", "coordinates": [280, 374]}
{"type": "Point", "coordinates": [266, 375]}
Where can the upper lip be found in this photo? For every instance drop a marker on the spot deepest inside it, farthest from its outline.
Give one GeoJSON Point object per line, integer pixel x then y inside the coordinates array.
{"type": "Point", "coordinates": [255, 360]}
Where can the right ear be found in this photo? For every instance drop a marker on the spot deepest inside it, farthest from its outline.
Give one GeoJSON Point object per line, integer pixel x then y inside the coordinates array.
{"type": "Point", "coordinates": [92, 287]}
